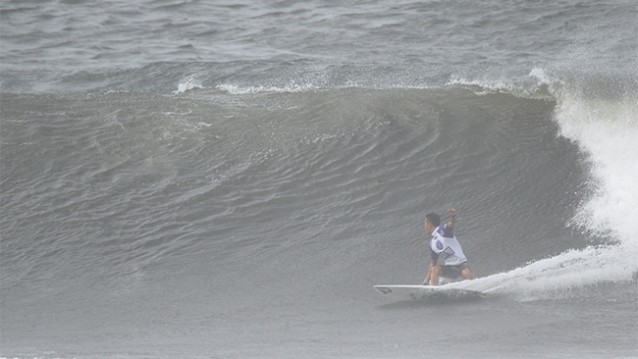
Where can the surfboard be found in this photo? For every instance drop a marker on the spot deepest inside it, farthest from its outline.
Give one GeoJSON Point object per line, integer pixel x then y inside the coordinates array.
{"type": "Point", "coordinates": [428, 292]}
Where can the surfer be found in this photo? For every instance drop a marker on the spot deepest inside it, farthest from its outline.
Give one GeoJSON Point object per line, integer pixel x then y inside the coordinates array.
{"type": "Point", "coordinates": [446, 255]}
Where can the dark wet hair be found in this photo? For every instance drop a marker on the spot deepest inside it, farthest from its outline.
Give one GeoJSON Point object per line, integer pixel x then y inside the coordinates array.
{"type": "Point", "coordinates": [433, 218]}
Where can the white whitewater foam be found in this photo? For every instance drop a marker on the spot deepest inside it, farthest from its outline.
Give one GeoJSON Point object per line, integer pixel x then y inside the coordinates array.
{"type": "Point", "coordinates": [300, 87]}
{"type": "Point", "coordinates": [536, 85]}
{"type": "Point", "coordinates": [189, 83]}
{"type": "Point", "coordinates": [607, 131]}
{"type": "Point", "coordinates": [290, 88]}
{"type": "Point", "coordinates": [563, 276]}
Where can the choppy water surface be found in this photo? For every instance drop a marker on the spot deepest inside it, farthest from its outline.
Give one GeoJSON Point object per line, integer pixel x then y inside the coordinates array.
{"type": "Point", "coordinates": [210, 179]}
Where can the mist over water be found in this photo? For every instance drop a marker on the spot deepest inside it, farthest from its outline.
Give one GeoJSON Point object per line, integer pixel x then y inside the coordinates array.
{"type": "Point", "coordinates": [193, 179]}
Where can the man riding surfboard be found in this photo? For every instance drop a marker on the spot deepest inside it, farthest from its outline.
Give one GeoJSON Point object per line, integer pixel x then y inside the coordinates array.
{"type": "Point", "coordinates": [446, 255]}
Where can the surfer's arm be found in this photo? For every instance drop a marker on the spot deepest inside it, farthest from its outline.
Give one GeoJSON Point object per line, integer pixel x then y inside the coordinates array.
{"type": "Point", "coordinates": [452, 221]}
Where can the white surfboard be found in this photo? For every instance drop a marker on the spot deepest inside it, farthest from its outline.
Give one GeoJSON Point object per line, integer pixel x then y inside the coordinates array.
{"type": "Point", "coordinates": [428, 292]}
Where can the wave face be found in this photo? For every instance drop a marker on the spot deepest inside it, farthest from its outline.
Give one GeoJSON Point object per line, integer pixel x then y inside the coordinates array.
{"type": "Point", "coordinates": [171, 175]}
{"type": "Point", "coordinates": [230, 180]}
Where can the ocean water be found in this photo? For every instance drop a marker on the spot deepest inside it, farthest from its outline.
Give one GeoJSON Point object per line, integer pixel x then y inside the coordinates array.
{"type": "Point", "coordinates": [193, 179]}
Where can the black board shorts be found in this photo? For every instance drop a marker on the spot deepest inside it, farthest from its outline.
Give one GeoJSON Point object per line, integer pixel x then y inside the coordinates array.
{"type": "Point", "coordinates": [453, 271]}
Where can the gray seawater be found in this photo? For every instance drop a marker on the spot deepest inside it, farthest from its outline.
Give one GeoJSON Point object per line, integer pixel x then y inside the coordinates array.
{"type": "Point", "coordinates": [229, 179]}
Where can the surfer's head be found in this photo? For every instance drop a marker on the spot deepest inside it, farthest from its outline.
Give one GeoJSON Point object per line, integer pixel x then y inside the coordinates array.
{"type": "Point", "coordinates": [432, 220]}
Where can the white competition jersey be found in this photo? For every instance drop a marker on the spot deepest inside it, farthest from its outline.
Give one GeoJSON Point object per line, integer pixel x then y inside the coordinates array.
{"type": "Point", "coordinates": [445, 244]}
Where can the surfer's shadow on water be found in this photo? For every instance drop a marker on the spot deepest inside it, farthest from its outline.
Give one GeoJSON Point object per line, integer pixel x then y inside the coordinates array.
{"type": "Point", "coordinates": [429, 303]}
